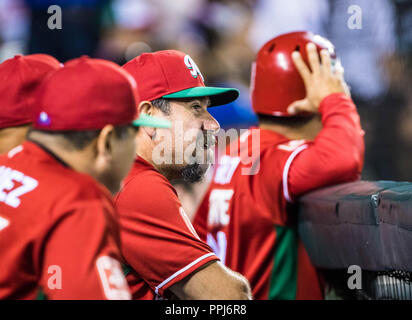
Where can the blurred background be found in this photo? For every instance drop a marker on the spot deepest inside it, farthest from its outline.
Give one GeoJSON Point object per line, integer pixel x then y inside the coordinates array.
{"type": "Point", "coordinates": [223, 36]}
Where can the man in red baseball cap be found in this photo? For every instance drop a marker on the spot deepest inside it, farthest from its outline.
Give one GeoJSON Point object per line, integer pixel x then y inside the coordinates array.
{"type": "Point", "coordinates": [165, 257]}
{"type": "Point", "coordinates": [58, 228]}
{"type": "Point", "coordinates": [19, 78]}
{"type": "Point", "coordinates": [309, 137]}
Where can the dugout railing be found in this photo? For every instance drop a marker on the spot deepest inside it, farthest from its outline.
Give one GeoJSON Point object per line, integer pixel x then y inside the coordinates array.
{"type": "Point", "coordinates": [366, 224]}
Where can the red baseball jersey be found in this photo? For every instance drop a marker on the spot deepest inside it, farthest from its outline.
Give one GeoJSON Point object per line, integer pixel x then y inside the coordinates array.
{"type": "Point", "coordinates": [247, 215]}
{"type": "Point", "coordinates": [158, 240]}
{"type": "Point", "coordinates": [58, 232]}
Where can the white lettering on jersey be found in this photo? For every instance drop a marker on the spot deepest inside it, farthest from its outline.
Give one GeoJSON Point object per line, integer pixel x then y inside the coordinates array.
{"type": "Point", "coordinates": [218, 246]}
{"type": "Point", "coordinates": [114, 283]}
{"type": "Point", "coordinates": [8, 178]}
{"type": "Point", "coordinates": [218, 207]}
{"type": "Point", "coordinates": [3, 223]}
{"type": "Point", "coordinates": [226, 168]}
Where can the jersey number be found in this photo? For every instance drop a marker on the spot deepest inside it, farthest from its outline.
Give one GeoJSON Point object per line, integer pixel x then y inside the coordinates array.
{"type": "Point", "coordinates": [8, 178]}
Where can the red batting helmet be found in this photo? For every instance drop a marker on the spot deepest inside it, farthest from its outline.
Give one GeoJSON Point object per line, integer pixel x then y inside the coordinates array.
{"type": "Point", "coordinates": [276, 82]}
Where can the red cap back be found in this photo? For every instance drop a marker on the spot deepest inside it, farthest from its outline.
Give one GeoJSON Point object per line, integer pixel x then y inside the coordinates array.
{"type": "Point", "coordinates": [19, 78]}
{"type": "Point", "coordinates": [86, 94]}
{"type": "Point", "coordinates": [275, 82]}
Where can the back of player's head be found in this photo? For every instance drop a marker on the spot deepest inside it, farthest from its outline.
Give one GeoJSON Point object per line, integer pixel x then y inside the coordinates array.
{"type": "Point", "coordinates": [275, 81]}
{"type": "Point", "coordinates": [84, 115]}
{"type": "Point", "coordinates": [87, 94]}
{"type": "Point", "coordinates": [79, 100]}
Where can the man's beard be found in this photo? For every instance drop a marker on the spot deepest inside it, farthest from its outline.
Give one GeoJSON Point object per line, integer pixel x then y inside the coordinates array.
{"type": "Point", "coordinates": [193, 172]}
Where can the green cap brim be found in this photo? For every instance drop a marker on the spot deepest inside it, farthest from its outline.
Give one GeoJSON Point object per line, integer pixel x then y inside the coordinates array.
{"type": "Point", "coordinates": [218, 96]}
{"type": "Point", "coordinates": [147, 121]}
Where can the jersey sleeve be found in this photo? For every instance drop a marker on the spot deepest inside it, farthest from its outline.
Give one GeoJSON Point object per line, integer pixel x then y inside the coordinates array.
{"type": "Point", "coordinates": [158, 239]}
{"type": "Point", "coordinates": [81, 257]}
{"type": "Point", "coordinates": [336, 154]}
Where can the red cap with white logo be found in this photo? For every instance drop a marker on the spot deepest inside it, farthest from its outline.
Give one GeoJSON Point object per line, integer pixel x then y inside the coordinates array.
{"type": "Point", "coordinates": [173, 74]}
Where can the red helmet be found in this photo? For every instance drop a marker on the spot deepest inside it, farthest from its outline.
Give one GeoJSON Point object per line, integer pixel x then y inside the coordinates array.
{"type": "Point", "coordinates": [276, 82]}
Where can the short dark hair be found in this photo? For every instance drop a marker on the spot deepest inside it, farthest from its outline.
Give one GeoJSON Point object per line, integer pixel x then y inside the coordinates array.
{"type": "Point", "coordinates": [162, 104]}
{"type": "Point", "coordinates": [80, 139]}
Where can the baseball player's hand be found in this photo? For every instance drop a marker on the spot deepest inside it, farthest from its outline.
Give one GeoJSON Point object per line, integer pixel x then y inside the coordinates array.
{"type": "Point", "coordinates": [320, 80]}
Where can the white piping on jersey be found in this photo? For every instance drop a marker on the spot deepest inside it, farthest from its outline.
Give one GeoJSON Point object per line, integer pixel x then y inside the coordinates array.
{"type": "Point", "coordinates": [286, 171]}
{"type": "Point", "coordinates": [187, 222]}
{"type": "Point", "coordinates": [14, 151]}
{"type": "Point", "coordinates": [182, 270]}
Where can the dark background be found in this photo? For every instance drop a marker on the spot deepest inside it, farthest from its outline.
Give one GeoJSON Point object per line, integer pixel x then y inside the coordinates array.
{"type": "Point", "coordinates": [223, 38]}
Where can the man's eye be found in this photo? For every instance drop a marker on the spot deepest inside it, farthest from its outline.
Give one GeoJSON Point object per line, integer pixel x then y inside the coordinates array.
{"type": "Point", "coordinates": [197, 107]}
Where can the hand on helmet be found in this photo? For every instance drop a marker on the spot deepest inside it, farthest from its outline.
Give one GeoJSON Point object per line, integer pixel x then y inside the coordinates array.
{"type": "Point", "coordinates": [320, 80]}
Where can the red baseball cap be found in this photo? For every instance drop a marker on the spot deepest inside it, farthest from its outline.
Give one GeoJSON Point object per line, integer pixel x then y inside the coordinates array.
{"type": "Point", "coordinates": [88, 94]}
{"type": "Point", "coordinates": [19, 78]}
{"type": "Point", "coordinates": [173, 74]}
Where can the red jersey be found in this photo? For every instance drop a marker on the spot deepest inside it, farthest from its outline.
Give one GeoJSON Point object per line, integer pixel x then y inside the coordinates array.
{"type": "Point", "coordinates": [159, 242]}
{"type": "Point", "coordinates": [58, 232]}
{"type": "Point", "coordinates": [247, 216]}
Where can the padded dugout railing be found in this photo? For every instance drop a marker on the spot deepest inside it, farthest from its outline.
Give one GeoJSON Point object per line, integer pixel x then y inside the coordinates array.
{"type": "Point", "coordinates": [364, 223]}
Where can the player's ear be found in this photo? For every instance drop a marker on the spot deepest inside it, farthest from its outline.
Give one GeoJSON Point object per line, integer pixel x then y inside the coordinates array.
{"type": "Point", "coordinates": [104, 143]}
{"type": "Point", "coordinates": [146, 107]}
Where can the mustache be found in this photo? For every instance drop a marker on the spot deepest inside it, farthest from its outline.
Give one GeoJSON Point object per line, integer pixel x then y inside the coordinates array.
{"type": "Point", "coordinates": [207, 139]}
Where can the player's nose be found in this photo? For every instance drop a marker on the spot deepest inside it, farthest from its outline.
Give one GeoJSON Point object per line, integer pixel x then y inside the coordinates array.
{"type": "Point", "coordinates": [211, 124]}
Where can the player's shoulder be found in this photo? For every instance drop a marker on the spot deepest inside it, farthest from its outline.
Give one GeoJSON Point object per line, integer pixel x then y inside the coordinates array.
{"type": "Point", "coordinates": [53, 189]}
{"type": "Point", "coordinates": [67, 189]}
{"type": "Point", "coordinates": [276, 156]}
{"type": "Point", "coordinates": [82, 185]}
{"type": "Point", "coordinates": [76, 193]}
{"type": "Point", "coordinates": [67, 185]}
{"type": "Point", "coordinates": [259, 151]}
{"type": "Point", "coordinates": [255, 142]}
{"type": "Point", "coordinates": [276, 142]}
{"type": "Point", "coordinates": [54, 177]}
{"type": "Point", "coordinates": [145, 179]}
{"type": "Point", "coordinates": [146, 187]}
{"type": "Point", "coordinates": [287, 147]}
